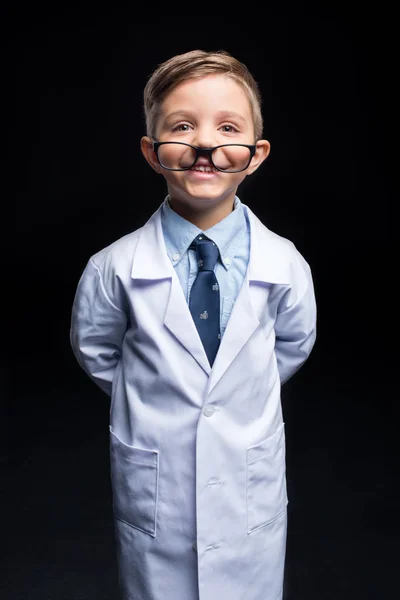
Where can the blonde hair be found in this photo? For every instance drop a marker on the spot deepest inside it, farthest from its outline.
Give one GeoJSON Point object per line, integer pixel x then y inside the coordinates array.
{"type": "Point", "coordinates": [196, 64]}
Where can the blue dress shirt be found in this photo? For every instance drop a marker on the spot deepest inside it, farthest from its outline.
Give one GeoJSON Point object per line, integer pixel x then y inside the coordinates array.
{"type": "Point", "coordinates": [232, 237]}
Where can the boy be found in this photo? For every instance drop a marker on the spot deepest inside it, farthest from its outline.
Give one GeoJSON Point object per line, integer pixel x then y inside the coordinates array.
{"type": "Point", "coordinates": [191, 324]}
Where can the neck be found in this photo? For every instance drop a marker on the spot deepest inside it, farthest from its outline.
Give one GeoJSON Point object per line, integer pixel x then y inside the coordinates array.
{"type": "Point", "coordinates": [203, 219]}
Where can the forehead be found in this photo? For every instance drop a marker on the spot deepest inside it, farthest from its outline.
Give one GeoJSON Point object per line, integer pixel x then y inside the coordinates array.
{"type": "Point", "coordinates": [216, 92]}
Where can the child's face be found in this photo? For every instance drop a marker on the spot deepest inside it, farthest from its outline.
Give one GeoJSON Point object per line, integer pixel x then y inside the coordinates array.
{"type": "Point", "coordinates": [205, 112]}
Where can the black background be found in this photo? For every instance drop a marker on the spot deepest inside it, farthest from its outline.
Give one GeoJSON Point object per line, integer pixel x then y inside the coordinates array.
{"type": "Point", "coordinates": [75, 180]}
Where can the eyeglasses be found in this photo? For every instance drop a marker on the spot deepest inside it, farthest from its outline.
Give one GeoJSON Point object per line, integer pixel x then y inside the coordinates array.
{"type": "Point", "coordinates": [228, 158]}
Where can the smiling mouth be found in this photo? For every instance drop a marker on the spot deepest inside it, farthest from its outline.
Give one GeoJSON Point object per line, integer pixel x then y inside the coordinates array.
{"type": "Point", "coordinates": [204, 169]}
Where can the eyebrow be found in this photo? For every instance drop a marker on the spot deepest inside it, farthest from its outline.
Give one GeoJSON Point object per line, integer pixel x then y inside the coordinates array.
{"type": "Point", "coordinates": [178, 113]}
{"type": "Point", "coordinates": [223, 114]}
{"type": "Point", "coordinates": [230, 113]}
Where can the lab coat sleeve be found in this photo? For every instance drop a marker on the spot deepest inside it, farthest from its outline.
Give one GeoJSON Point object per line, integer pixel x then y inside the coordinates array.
{"type": "Point", "coordinates": [97, 329]}
{"type": "Point", "coordinates": [295, 325]}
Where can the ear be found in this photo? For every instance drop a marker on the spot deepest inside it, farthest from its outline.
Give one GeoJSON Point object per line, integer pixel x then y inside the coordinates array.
{"type": "Point", "coordinates": [146, 146]}
{"type": "Point", "coordinates": [262, 151]}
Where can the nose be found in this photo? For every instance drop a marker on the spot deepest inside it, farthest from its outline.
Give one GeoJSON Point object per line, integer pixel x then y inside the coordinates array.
{"type": "Point", "coordinates": [203, 158]}
{"type": "Point", "coordinates": [203, 138]}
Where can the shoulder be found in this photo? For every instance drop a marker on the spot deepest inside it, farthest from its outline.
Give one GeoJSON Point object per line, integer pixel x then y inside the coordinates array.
{"type": "Point", "coordinates": [276, 258]}
{"type": "Point", "coordinates": [269, 237]}
{"type": "Point", "coordinates": [118, 253]}
{"type": "Point", "coordinates": [112, 265]}
{"type": "Point", "coordinates": [270, 243]}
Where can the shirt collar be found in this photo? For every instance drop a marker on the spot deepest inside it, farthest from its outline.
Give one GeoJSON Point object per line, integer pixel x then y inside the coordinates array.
{"type": "Point", "coordinates": [227, 234]}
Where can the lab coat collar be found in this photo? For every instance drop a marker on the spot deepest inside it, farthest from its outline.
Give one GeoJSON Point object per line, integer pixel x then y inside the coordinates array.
{"type": "Point", "coordinates": [268, 262]}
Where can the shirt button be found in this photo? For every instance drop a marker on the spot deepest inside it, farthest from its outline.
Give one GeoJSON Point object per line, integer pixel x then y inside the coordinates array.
{"type": "Point", "coordinates": [175, 256]}
{"type": "Point", "coordinates": [227, 260]}
{"type": "Point", "coordinates": [209, 411]}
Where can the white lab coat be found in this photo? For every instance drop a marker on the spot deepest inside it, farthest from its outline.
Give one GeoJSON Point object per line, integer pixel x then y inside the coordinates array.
{"type": "Point", "coordinates": [197, 454]}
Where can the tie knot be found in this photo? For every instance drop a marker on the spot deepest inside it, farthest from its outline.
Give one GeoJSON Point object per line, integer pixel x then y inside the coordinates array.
{"type": "Point", "coordinates": [207, 253]}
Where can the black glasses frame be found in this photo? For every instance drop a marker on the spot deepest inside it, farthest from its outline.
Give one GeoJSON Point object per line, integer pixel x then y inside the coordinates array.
{"type": "Point", "coordinates": [204, 152]}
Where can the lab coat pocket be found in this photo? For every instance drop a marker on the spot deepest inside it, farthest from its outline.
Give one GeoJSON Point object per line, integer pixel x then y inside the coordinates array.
{"type": "Point", "coordinates": [266, 492]}
{"type": "Point", "coordinates": [134, 477]}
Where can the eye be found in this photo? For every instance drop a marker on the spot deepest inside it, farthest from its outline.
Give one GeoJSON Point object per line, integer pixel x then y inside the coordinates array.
{"type": "Point", "coordinates": [181, 127]}
{"type": "Point", "coordinates": [229, 128]}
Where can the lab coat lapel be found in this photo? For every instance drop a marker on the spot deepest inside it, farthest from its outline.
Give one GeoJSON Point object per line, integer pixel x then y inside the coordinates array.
{"type": "Point", "coordinates": [265, 266]}
{"type": "Point", "coordinates": [151, 262]}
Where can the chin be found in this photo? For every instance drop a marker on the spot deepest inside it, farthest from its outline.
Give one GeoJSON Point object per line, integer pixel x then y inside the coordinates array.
{"type": "Point", "coordinates": [206, 193]}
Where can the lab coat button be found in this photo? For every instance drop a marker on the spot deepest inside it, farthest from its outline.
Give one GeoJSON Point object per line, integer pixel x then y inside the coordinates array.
{"type": "Point", "coordinates": [194, 546]}
{"type": "Point", "coordinates": [209, 411]}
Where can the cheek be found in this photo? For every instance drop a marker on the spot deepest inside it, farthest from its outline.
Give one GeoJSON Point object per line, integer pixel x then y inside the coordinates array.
{"type": "Point", "coordinates": [238, 178]}
{"type": "Point", "coordinates": [172, 178]}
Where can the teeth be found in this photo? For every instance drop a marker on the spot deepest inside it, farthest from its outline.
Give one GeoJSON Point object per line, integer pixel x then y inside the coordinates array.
{"type": "Point", "coordinates": [203, 168]}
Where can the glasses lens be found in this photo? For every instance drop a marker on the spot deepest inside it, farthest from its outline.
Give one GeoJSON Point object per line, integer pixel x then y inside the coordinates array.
{"type": "Point", "coordinates": [231, 158]}
{"type": "Point", "coordinates": [176, 156]}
